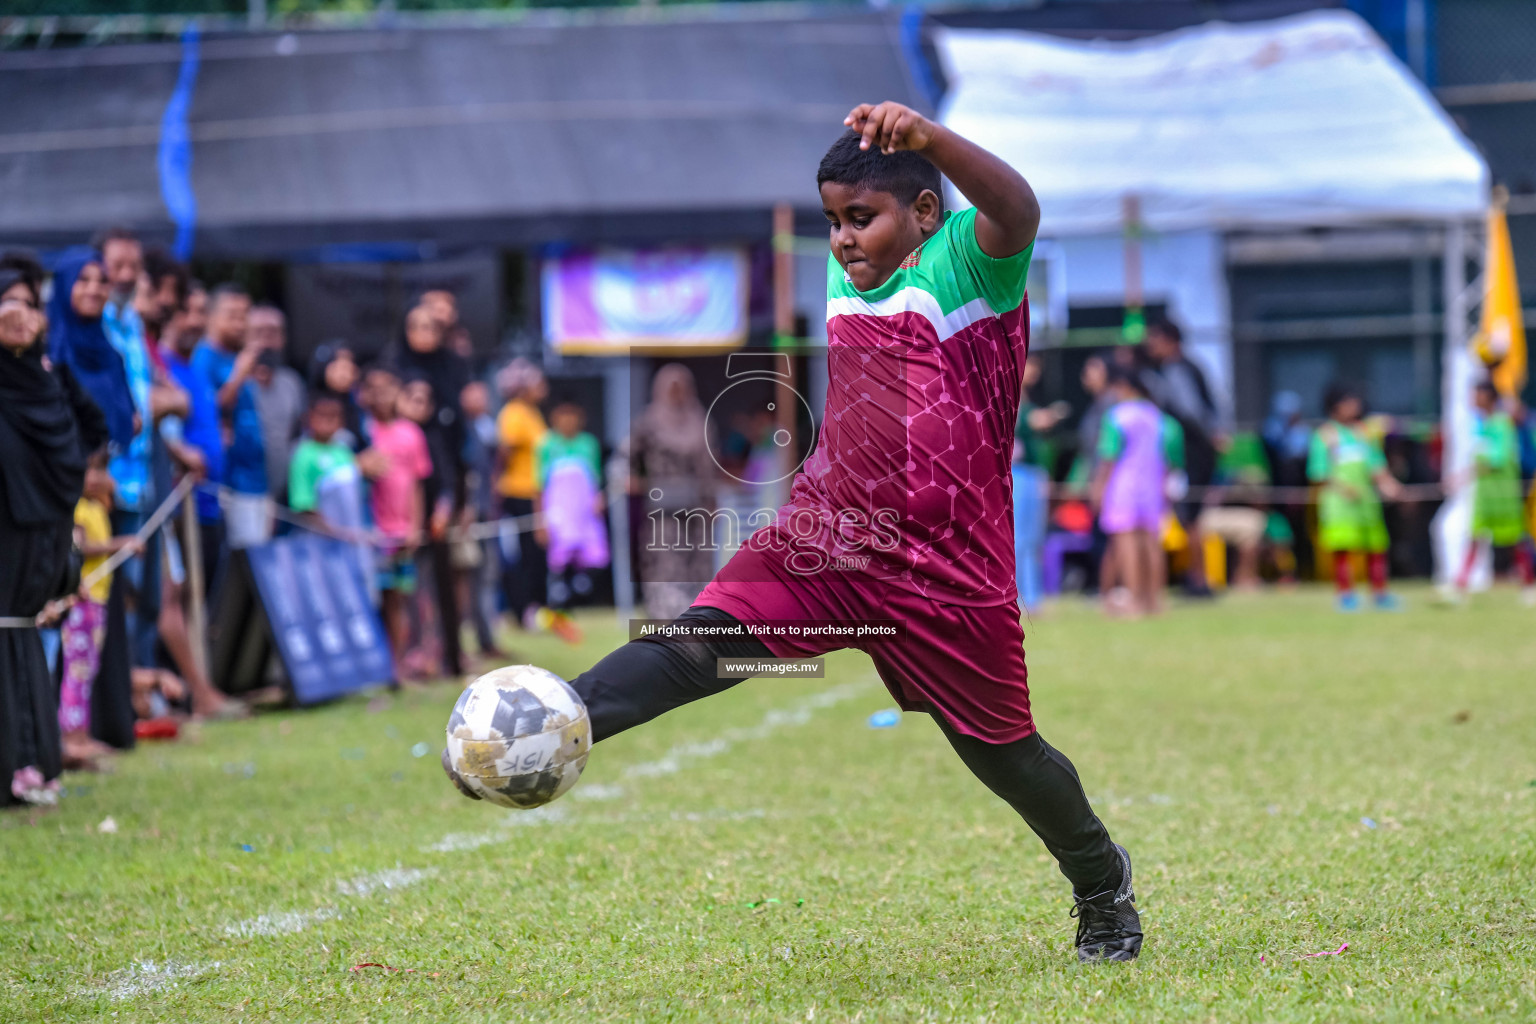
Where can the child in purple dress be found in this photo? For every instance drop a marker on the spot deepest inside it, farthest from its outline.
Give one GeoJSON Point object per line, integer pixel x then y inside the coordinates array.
{"type": "Point", "coordinates": [570, 473]}
{"type": "Point", "coordinates": [1138, 446]}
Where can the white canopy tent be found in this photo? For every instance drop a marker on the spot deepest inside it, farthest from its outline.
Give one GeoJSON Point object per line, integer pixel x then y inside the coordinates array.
{"type": "Point", "coordinates": [1308, 121]}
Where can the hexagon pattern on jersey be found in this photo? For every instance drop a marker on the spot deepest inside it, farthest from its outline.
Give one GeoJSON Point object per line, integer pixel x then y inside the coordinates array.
{"type": "Point", "coordinates": [922, 429]}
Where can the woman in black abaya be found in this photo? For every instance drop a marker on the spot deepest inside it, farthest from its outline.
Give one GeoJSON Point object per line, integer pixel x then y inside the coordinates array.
{"type": "Point", "coordinates": [424, 355]}
{"type": "Point", "coordinates": [47, 425]}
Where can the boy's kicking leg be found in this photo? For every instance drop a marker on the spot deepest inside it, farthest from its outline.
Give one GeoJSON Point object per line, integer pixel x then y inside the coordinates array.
{"type": "Point", "coordinates": [1039, 782]}
{"type": "Point", "coordinates": [965, 666]}
{"type": "Point", "coordinates": [646, 678]}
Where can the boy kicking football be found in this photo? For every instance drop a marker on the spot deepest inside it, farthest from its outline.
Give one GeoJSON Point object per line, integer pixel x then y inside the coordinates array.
{"type": "Point", "coordinates": [904, 510]}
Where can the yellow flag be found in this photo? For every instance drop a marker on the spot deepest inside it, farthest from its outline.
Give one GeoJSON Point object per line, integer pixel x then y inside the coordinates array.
{"type": "Point", "coordinates": [1500, 339]}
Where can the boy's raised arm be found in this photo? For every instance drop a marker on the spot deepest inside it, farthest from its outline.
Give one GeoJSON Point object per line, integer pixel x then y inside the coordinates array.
{"type": "Point", "coordinates": [1007, 213]}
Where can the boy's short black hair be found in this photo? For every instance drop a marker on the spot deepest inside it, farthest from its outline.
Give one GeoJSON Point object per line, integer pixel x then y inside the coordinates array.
{"type": "Point", "coordinates": [904, 174]}
{"type": "Point", "coordinates": [1486, 387]}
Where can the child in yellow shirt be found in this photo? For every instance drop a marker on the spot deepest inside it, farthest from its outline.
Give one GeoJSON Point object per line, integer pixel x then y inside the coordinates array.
{"type": "Point", "coordinates": [85, 628]}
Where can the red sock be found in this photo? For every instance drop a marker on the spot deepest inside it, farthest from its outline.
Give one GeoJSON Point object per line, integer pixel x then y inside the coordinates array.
{"type": "Point", "coordinates": [1376, 564]}
{"type": "Point", "coordinates": [1463, 580]}
{"type": "Point", "coordinates": [1343, 572]}
{"type": "Point", "coordinates": [1524, 564]}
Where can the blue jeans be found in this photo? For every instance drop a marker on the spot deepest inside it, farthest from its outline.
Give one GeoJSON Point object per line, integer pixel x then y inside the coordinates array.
{"type": "Point", "coordinates": [1030, 504]}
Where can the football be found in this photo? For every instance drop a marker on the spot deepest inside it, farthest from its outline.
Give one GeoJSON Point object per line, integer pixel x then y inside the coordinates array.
{"type": "Point", "coordinates": [518, 737]}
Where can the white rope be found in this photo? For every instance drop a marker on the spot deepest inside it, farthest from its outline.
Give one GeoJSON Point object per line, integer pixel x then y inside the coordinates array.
{"type": "Point", "coordinates": [489, 529]}
{"type": "Point", "coordinates": [151, 525]}
{"type": "Point", "coordinates": [1243, 493]}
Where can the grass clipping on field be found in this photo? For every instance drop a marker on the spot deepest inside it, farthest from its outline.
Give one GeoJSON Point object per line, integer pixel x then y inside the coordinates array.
{"type": "Point", "coordinates": [1288, 780]}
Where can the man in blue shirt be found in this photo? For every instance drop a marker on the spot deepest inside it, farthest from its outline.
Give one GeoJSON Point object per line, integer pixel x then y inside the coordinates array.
{"type": "Point", "coordinates": [224, 363]}
{"type": "Point", "coordinates": [201, 428]}
{"type": "Point", "coordinates": [132, 471]}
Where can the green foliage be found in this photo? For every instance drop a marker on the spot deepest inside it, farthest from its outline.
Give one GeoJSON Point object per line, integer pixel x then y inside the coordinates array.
{"type": "Point", "coordinates": [35, 8]}
{"type": "Point", "coordinates": [281, 8]}
{"type": "Point", "coordinates": [1235, 749]}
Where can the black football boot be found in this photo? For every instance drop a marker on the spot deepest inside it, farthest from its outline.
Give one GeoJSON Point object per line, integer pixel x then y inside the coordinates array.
{"type": "Point", "coordinates": [1108, 927]}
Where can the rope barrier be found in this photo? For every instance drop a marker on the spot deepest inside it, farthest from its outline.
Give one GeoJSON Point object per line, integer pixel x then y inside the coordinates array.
{"type": "Point", "coordinates": [1270, 493]}
{"type": "Point", "coordinates": [151, 525]}
{"type": "Point", "coordinates": [492, 529]}
{"type": "Point", "coordinates": [489, 529]}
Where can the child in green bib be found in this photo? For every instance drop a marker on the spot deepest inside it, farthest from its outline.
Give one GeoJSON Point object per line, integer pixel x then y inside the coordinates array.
{"type": "Point", "coordinates": [1496, 498]}
{"type": "Point", "coordinates": [1352, 471]}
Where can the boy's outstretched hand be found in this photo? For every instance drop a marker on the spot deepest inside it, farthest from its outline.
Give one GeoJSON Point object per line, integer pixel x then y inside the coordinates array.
{"type": "Point", "coordinates": [891, 126]}
{"type": "Point", "coordinates": [1007, 212]}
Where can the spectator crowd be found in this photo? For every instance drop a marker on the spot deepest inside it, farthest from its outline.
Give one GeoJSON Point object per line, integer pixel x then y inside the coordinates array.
{"type": "Point", "coordinates": [154, 427]}
{"type": "Point", "coordinates": [1154, 476]}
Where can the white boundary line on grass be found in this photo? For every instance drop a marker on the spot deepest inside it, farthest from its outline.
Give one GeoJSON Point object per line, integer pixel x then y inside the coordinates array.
{"type": "Point", "coordinates": [670, 763]}
{"type": "Point", "coordinates": [798, 713]}
{"type": "Point", "coordinates": [281, 922]}
{"type": "Point", "coordinates": [463, 842]}
{"type": "Point", "coordinates": [143, 977]}
{"type": "Point", "coordinates": [285, 922]}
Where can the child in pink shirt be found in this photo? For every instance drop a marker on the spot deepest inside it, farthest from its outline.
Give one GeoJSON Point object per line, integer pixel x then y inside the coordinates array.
{"type": "Point", "coordinates": [401, 460]}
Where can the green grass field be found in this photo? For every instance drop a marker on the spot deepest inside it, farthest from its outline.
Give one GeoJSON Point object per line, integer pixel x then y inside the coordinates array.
{"type": "Point", "coordinates": [768, 856]}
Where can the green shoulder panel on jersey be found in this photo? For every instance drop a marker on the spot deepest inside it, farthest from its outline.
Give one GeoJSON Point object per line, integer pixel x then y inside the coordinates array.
{"type": "Point", "coordinates": [952, 283]}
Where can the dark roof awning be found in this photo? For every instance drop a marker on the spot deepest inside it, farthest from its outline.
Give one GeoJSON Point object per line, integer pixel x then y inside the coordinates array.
{"type": "Point", "coordinates": [445, 138]}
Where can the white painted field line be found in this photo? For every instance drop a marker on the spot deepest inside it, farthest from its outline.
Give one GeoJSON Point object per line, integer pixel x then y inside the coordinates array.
{"type": "Point", "coordinates": [281, 922]}
{"type": "Point", "coordinates": [669, 763]}
{"type": "Point", "coordinates": [463, 842]}
{"type": "Point", "coordinates": [286, 922]}
{"type": "Point", "coordinates": [145, 976]}
{"type": "Point", "coordinates": [389, 878]}
{"type": "Point", "coordinates": [798, 713]}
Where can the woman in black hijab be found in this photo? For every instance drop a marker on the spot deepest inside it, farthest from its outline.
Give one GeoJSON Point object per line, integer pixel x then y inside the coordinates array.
{"type": "Point", "coordinates": [47, 427]}
{"type": "Point", "coordinates": [424, 355]}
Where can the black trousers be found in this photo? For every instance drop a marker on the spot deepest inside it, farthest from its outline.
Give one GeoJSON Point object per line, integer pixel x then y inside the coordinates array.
{"type": "Point", "coordinates": [649, 677]}
{"type": "Point", "coordinates": [447, 606]}
{"type": "Point", "coordinates": [525, 581]}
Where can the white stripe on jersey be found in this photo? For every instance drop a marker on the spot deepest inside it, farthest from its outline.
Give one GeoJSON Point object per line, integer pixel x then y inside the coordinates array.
{"type": "Point", "coordinates": [914, 300]}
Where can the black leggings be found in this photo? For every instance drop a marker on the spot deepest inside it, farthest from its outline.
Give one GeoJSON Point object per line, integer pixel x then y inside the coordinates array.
{"type": "Point", "coordinates": [524, 582]}
{"type": "Point", "coordinates": [649, 677]}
